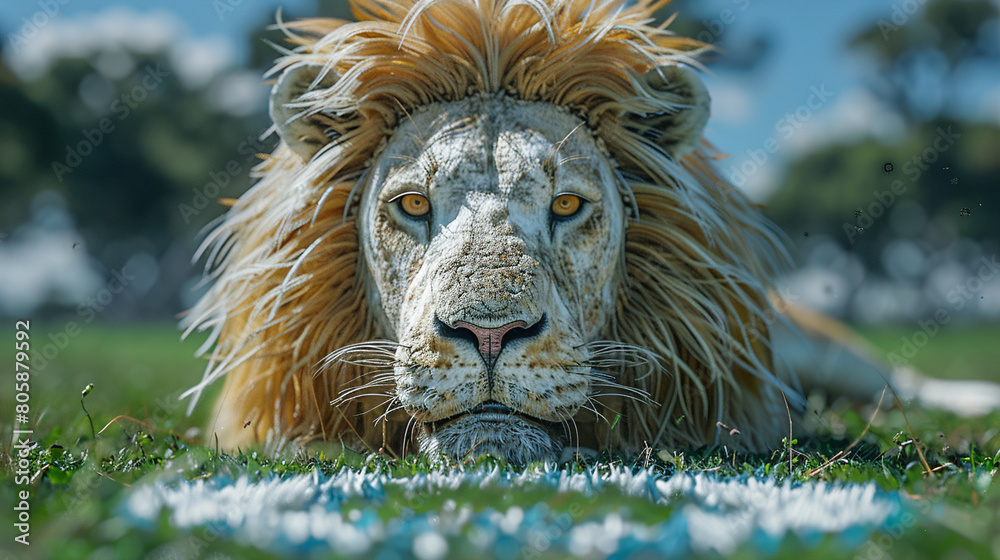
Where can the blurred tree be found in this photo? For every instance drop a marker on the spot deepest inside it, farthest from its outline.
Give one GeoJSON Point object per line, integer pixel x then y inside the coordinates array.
{"type": "Point", "coordinates": [918, 54]}
{"type": "Point", "coordinates": [737, 48]}
{"type": "Point", "coordinates": [139, 153]}
{"type": "Point", "coordinates": [863, 193]}
{"type": "Point", "coordinates": [25, 144]}
{"type": "Point", "coordinates": [266, 41]}
{"type": "Point", "coordinates": [851, 192]}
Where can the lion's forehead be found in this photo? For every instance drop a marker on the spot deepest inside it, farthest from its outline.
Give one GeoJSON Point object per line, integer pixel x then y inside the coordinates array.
{"type": "Point", "coordinates": [495, 145]}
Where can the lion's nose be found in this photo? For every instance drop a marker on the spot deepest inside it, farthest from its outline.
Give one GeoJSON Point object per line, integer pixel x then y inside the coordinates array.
{"type": "Point", "coordinates": [490, 341]}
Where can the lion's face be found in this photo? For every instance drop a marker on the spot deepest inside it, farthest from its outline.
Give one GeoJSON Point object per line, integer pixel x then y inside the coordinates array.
{"type": "Point", "coordinates": [492, 231]}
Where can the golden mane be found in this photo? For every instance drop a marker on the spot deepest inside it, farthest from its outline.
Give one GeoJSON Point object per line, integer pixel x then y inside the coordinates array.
{"type": "Point", "coordinates": [285, 261]}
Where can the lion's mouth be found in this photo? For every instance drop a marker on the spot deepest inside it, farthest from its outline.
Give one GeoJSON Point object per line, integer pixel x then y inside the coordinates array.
{"type": "Point", "coordinates": [491, 411]}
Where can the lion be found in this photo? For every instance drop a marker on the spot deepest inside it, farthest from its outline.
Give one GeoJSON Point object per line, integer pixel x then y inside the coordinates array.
{"type": "Point", "coordinates": [494, 227]}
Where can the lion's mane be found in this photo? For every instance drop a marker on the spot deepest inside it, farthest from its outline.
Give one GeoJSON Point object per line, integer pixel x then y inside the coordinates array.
{"type": "Point", "coordinates": [698, 255]}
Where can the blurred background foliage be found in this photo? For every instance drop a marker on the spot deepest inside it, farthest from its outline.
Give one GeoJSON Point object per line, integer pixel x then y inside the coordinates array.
{"type": "Point", "coordinates": [904, 256]}
{"type": "Point", "coordinates": [184, 132]}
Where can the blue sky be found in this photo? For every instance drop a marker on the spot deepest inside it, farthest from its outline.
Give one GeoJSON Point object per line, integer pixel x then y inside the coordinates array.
{"type": "Point", "coordinates": [749, 109]}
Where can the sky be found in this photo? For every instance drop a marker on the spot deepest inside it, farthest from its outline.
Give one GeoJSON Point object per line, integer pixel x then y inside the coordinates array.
{"type": "Point", "coordinates": [808, 83]}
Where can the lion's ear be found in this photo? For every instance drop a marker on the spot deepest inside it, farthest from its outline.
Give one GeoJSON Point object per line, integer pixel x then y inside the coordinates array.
{"type": "Point", "coordinates": [678, 126]}
{"type": "Point", "coordinates": [305, 131]}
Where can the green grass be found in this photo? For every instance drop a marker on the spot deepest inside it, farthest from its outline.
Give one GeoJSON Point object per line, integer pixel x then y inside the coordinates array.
{"type": "Point", "coordinates": [954, 352]}
{"type": "Point", "coordinates": [139, 370]}
{"type": "Point", "coordinates": [135, 369]}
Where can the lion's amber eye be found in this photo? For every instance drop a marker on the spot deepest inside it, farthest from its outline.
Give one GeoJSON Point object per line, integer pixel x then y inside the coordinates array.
{"type": "Point", "coordinates": [414, 204]}
{"type": "Point", "coordinates": [565, 205]}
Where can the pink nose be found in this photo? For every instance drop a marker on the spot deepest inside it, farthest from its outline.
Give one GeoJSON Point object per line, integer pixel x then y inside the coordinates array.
{"type": "Point", "coordinates": [490, 339]}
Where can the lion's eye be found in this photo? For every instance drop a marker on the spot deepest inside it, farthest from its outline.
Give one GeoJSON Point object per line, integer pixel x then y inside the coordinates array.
{"type": "Point", "coordinates": [414, 205]}
{"type": "Point", "coordinates": [566, 205]}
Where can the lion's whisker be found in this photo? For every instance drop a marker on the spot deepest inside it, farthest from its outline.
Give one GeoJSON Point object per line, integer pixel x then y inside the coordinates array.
{"type": "Point", "coordinates": [626, 396]}
{"type": "Point", "coordinates": [339, 401]}
{"type": "Point", "coordinates": [613, 385]}
{"type": "Point", "coordinates": [377, 380]}
{"type": "Point", "coordinates": [389, 410]}
{"type": "Point", "coordinates": [407, 433]}
{"type": "Point", "coordinates": [379, 347]}
{"type": "Point", "coordinates": [366, 386]}
{"type": "Point", "coordinates": [355, 354]}
{"type": "Point", "coordinates": [589, 405]}
{"type": "Point", "coordinates": [377, 375]}
{"type": "Point", "coordinates": [566, 423]}
{"type": "Point", "coordinates": [635, 393]}
{"type": "Point", "coordinates": [385, 402]}
{"type": "Point", "coordinates": [368, 362]}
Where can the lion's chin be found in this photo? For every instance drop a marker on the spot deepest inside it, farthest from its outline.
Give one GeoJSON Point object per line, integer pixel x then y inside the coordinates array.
{"type": "Point", "coordinates": [505, 436]}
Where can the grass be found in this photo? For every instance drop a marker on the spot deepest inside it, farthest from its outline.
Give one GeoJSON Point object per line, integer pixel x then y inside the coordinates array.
{"type": "Point", "coordinates": [955, 352]}
{"type": "Point", "coordinates": [139, 370]}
